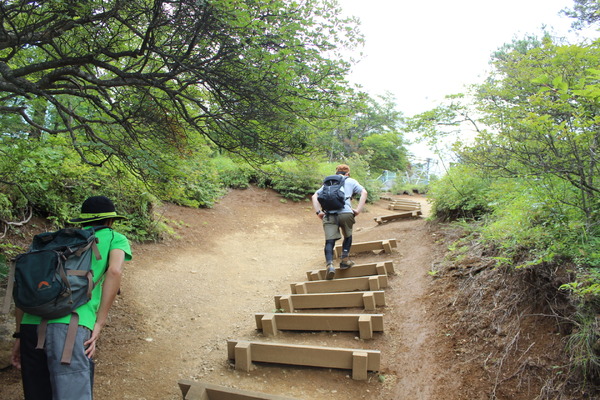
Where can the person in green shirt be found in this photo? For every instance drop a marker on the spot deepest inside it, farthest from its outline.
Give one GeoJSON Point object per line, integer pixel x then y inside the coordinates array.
{"type": "Point", "coordinates": [43, 374]}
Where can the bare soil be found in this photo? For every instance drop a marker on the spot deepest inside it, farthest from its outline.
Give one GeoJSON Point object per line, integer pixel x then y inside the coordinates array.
{"type": "Point", "coordinates": [184, 297]}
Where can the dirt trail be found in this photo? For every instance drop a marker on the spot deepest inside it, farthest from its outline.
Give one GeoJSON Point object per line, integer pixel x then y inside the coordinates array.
{"type": "Point", "coordinates": [182, 299]}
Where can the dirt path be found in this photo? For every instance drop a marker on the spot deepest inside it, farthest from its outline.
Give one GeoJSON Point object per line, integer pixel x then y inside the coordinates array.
{"type": "Point", "coordinates": [182, 299]}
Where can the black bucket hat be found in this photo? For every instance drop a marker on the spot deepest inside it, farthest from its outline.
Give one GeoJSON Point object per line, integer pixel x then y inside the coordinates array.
{"type": "Point", "coordinates": [96, 208]}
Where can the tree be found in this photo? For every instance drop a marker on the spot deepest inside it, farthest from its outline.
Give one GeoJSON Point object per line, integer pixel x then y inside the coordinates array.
{"type": "Point", "coordinates": [586, 13]}
{"type": "Point", "coordinates": [139, 79]}
{"type": "Point", "coordinates": [541, 110]}
{"type": "Point", "coordinates": [365, 116]}
{"type": "Point", "coordinates": [536, 118]}
{"type": "Point", "coordinates": [386, 151]}
{"type": "Point", "coordinates": [372, 116]}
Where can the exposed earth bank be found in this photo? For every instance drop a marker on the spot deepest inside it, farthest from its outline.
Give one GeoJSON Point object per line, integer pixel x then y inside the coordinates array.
{"type": "Point", "coordinates": [183, 298]}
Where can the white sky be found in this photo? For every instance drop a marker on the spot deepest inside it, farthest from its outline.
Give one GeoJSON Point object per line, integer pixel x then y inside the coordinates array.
{"type": "Point", "coordinates": [422, 50]}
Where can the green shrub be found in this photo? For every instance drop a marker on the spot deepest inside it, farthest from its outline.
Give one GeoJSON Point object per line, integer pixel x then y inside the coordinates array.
{"type": "Point", "coordinates": [233, 174]}
{"type": "Point", "coordinates": [462, 193]}
{"type": "Point", "coordinates": [582, 346]}
{"type": "Point", "coordinates": [525, 218]}
{"type": "Point", "coordinates": [49, 176]}
{"type": "Point", "coordinates": [298, 180]}
{"type": "Point", "coordinates": [373, 188]}
{"type": "Point", "coordinates": [6, 210]}
{"type": "Point", "coordinates": [518, 222]}
{"type": "Point", "coordinates": [403, 187]}
{"type": "Point", "coordinates": [294, 186]}
{"type": "Point", "coordinates": [309, 177]}
{"type": "Point", "coordinates": [294, 180]}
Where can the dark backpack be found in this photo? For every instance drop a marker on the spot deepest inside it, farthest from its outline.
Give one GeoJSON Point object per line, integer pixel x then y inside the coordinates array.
{"type": "Point", "coordinates": [54, 276]}
{"type": "Point", "coordinates": [332, 197]}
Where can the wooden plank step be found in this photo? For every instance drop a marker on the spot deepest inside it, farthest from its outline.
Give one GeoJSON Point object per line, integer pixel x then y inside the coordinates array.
{"type": "Point", "coordinates": [404, 201]}
{"type": "Point", "coordinates": [367, 300]}
{"type": "Point", "coordinates": [404, 207]}
{"type": "Point", "coordinates": [393, 217]}
{"type": "Point", "coordinates": [382, 268]}
{"type": "Point", "coordinates": [362, 283]}
{"type": "Point", "coordinates": [360, 361]}
{"type": "Point", "coordinates": [192, 390]}
{"type": "Point", "coordinates": [361, 247]}
{"type": "Point", "coordinates": [364, 324]}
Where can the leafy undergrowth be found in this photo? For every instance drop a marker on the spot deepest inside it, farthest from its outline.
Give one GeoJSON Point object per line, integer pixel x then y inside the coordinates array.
{"type": "Point", "coordinates": [510, 326]}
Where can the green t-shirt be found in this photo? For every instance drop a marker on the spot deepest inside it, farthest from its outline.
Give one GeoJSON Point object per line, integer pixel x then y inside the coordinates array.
{"type": "Point", "coordinates": [108, 240]}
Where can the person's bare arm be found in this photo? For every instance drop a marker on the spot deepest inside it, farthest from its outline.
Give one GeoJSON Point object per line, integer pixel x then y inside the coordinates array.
{"type": "Point", "coordinates": [110, 288]}
{"type": "Point", "coordinates": [317, 205]}
{"type": "Point", "coordinates": [15, 357]}
{"type": "Point", "coordinates": [361, 202]}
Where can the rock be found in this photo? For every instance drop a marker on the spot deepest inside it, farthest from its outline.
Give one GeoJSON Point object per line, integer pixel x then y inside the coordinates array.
{"type": "Point", "coordinates": [5, 352]}
{"type": "Point", "coordinates": [7, 327]}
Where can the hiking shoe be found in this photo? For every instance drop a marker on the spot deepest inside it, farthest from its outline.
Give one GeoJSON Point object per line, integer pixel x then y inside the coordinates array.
{"type": "Point", "coordinates": [330, 272]}
{"type": "Point", "coordinates": [346, 263]}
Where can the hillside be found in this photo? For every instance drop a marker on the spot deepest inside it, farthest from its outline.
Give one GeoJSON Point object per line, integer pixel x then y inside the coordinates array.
{"type": "Point", "coordinates": [183, 298]}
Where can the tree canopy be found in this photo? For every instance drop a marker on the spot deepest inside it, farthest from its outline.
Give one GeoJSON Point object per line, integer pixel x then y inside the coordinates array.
{"type": "Point", "coordinates": [541, 108]}
{"type": "Point", "coordinates": [387, 152]}
{"type": "Point", "coordinates": [373, 128]}
{"type": "Point", "coordinates": [139, 78]}
{"type": "Point", "coordinates": [585, 13]}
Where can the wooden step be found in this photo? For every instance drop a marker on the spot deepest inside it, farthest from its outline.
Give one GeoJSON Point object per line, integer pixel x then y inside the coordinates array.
{"type": "Point", "coordinates": [393, 217]}
{"type": "Point", "coordinates": [361, 247]}
{"type": "Point", "coordinates": [361, 283]}
{"type": "Point", "coordinates": [360, 361]}
{"type": "Point", "coordinates": [364, 324]}
{"type": "Point", "coordinates": [206, 391]}
{"type": "Point", "coordinates": [367, 300]}
{"type": "Point", "coordinates": [382, 268]}
{"type": "Point", "coordinates": [404, 201]}
{"type": "Point", "coordinates": [405, 207]}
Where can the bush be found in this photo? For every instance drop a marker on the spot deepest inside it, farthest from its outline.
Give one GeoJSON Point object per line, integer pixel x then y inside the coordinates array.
{"type": "Point", "coordinates": [294, 180]}
{"type": "Point", "coordinates": [518, 223]}
{"type": "Point", "coordinates": [463, 193]}
{"type": "Point", "coordinates": [298, 180]}
{"type": "Point", "coordinates": [48, 175]}
{"type": "Point", "coordinates": [582, 346]}
{"type": "Point", "coordinates": [402, 187]}
{"type": "Point", "coordinates": [233, 174]}
{"type": "Point", "coordinates": [373, 188]}
{"type": "Point", "coordinates": [49, 182]}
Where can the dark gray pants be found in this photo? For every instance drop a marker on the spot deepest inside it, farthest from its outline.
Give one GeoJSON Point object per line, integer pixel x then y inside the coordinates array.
{"type": "Point", "coordinates": [44, 377]}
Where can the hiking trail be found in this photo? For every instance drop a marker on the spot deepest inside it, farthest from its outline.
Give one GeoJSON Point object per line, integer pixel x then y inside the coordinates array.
{"type": "Point", "coordinates": [183, 298]}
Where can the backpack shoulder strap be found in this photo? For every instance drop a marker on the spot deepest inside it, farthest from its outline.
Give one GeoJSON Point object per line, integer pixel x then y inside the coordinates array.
{"type": "Point", "coordinates": [69, 339]}
{"type": "Point", "coordinates": [94, 243]}
{"type": "Point", "coordinates": [95, 248]}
